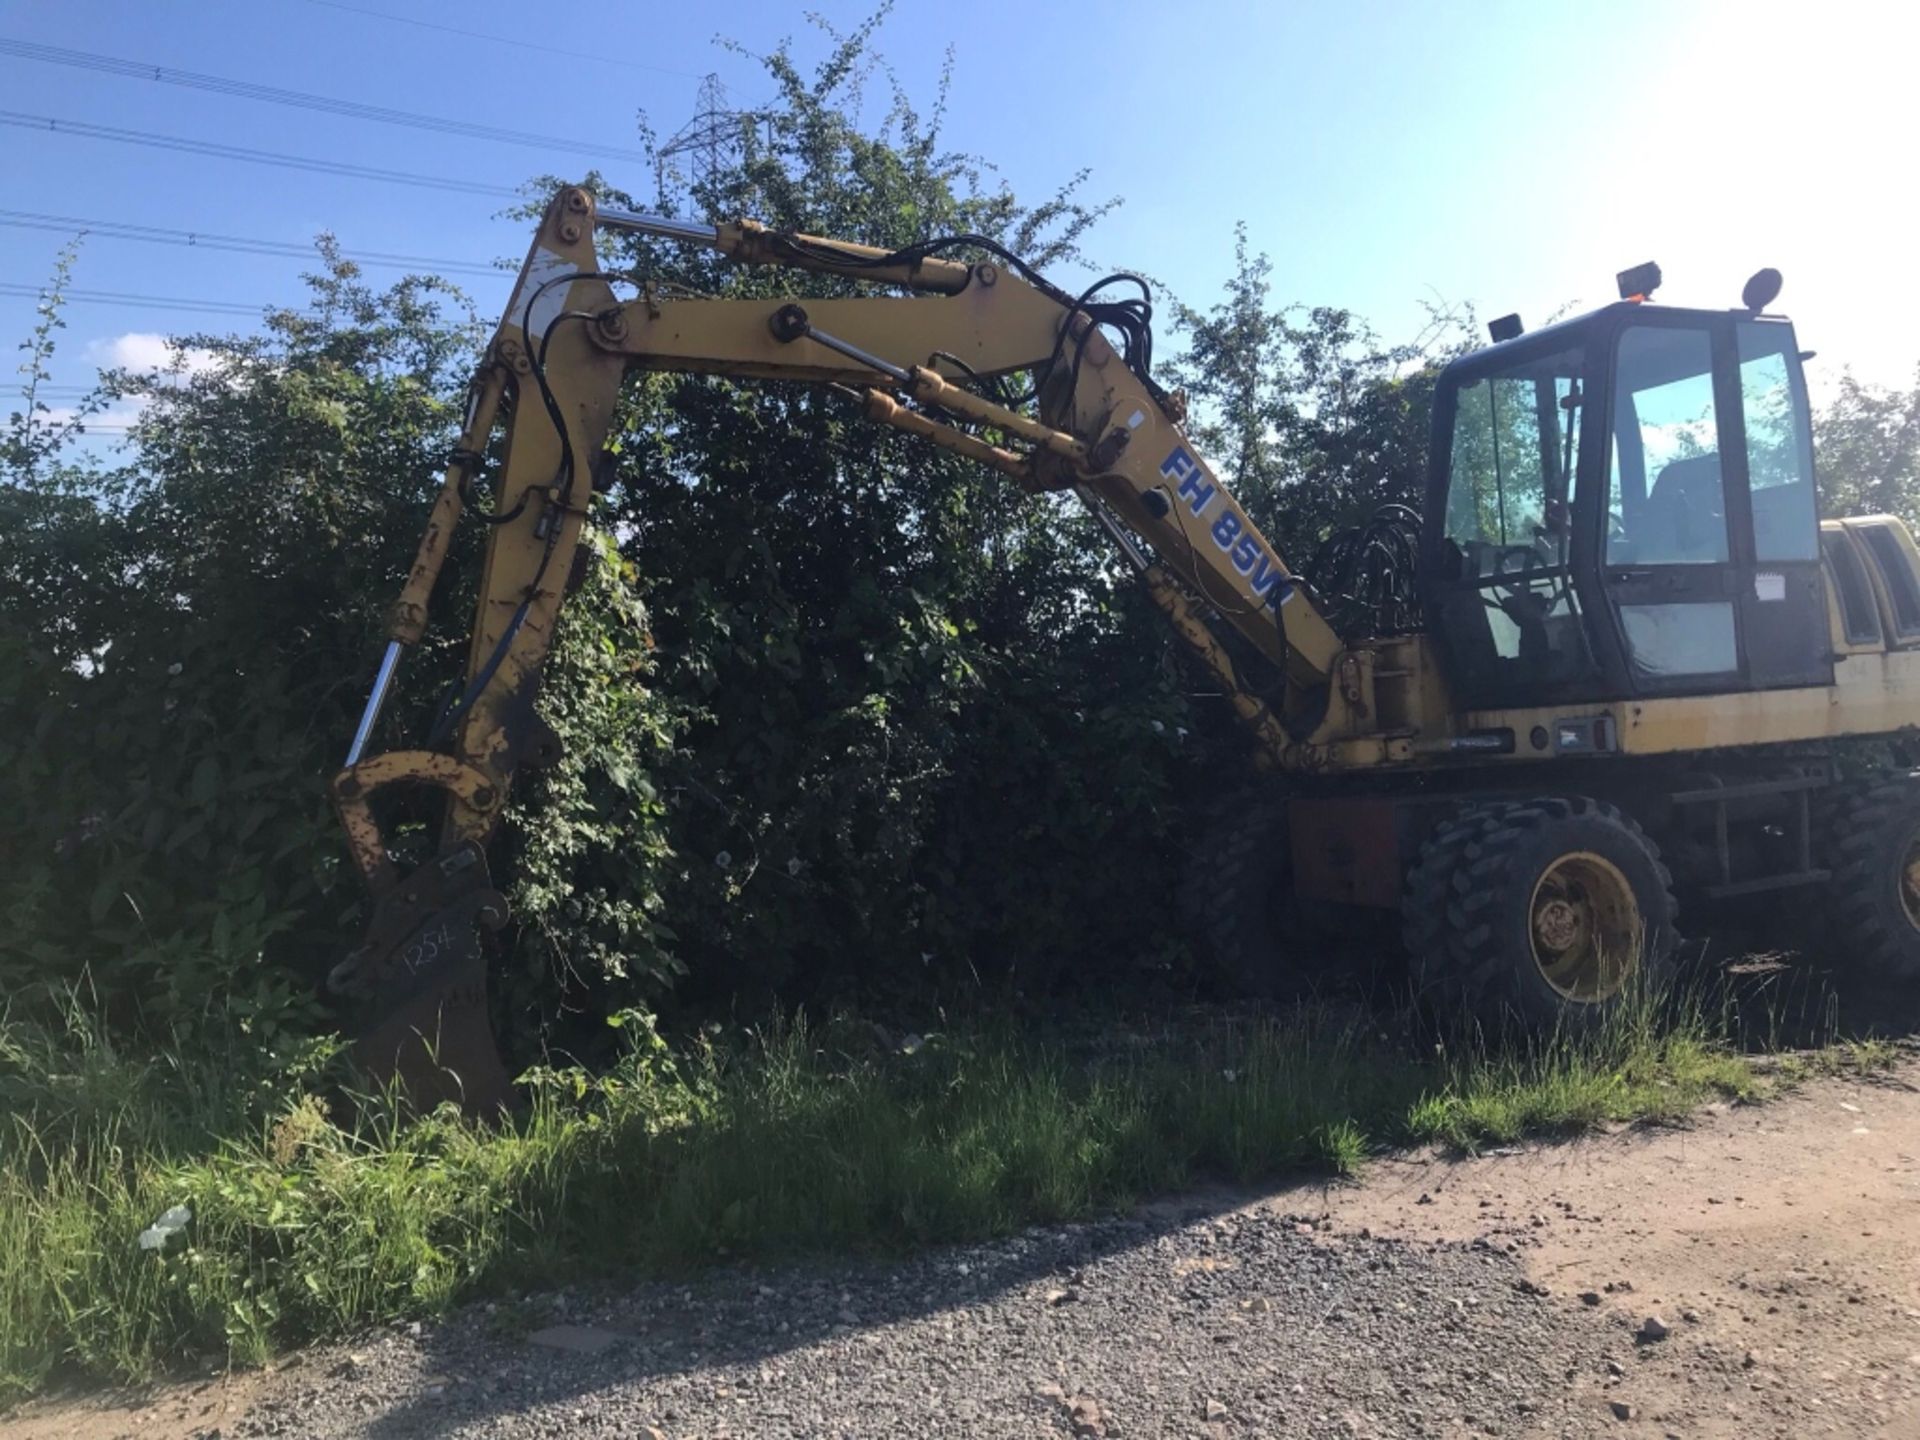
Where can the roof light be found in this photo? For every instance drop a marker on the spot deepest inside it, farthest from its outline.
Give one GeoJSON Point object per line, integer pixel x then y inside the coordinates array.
{"type": "Point", "coordinates": [1762, 290]}
{"type": "Point", "coordinates": [1639, 283]}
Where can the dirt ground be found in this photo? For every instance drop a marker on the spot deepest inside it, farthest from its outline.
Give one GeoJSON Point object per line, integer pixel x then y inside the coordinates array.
{"type": "Point", "coordinates": [1778, 1244]}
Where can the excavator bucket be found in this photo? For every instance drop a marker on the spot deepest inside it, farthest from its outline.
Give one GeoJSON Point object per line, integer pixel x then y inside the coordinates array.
{"type": "Point", "coordinates": [420, 978]}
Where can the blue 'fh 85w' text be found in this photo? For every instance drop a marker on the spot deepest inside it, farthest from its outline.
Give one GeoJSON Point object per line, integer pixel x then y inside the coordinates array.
{"type": "Point", "coordinates": [1228, 532]}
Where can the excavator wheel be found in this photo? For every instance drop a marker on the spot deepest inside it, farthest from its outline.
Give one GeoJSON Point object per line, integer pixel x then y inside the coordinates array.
{"type": "Point", "coordinates": [1238, 895]}
{"type": "Point", "coordinates": [1546, 911]}
{"type": "Point", "coordinates": [1870, 840]}
{"type": "Point", "coordinates": [1429, 890]}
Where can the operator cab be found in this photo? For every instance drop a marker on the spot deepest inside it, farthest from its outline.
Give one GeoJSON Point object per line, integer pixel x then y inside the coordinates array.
{"type": "Point", "coordinates": [1623, 505]}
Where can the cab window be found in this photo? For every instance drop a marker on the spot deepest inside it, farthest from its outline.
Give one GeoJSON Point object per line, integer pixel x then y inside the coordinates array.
{"type": "Point", "coordinates": [1515, 438]}
{"type": "Point", "coordinates": [1666, 502]}
{"type": "Point", "coordinates": [1512, 617]}
{"type": "Point", "coordinates": [1773, 401]}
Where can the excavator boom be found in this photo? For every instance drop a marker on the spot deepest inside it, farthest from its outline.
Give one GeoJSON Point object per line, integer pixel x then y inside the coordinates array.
{"type": "Point", "coordinates": [552, 375]}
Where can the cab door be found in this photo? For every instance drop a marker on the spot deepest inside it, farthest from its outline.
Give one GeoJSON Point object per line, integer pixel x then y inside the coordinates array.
{"type": "Point", "coordinates": [1499, 566]}
{"type": "Point", "coordinates": [1783, 600]}
{"type": "Point", "coordinates": [1710, 553]}
{"type": "Point", "coordinates": [1667, 563]}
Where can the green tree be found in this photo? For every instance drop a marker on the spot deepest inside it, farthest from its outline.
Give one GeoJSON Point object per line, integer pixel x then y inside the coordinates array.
{"type": "Point", "coordinates": [1868, 443]}
{"type": "Point", "coordinates": [842, 712]}
{"type": "Point", "coordinates": [187, 630]}
{"type": "Point", "coordinates": [1314, 421]}
{"type": "Point", "coordinates": [933, 730]}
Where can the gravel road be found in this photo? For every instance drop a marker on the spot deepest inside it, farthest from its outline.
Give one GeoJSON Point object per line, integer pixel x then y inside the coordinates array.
{"type": "Point", "coordinates": [1238, 1322]}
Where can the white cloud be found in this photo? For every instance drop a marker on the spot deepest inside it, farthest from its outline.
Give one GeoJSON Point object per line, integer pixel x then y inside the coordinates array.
{"type": "Point", "coordinates": [144, 352]}
{"type": "Point", "coordinates": [108, 423]}
{"type": "Point", "coordinates": [141, 353]}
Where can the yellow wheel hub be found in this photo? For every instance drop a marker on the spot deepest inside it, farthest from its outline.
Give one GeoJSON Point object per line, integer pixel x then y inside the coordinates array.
{"type": "Point", "coordinates": [1910, 881]}
{"type": "Point", "coordinates": [1585, 927]}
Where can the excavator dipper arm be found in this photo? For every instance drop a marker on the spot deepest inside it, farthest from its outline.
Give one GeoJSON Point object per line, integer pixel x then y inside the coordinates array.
{"type": "Point", "coordinates": [552, 376]}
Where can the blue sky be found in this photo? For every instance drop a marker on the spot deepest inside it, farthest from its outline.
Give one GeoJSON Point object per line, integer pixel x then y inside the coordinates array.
{"type": "Point", "coordinates": [1510, 155]}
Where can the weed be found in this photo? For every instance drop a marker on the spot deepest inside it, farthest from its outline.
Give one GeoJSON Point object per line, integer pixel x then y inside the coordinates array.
{"type": "Point", "coordinates": [312, 1220]}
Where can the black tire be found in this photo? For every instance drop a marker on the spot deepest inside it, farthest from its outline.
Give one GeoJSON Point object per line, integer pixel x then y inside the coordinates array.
{"type": "Point", "coordinates": [1869, 829]}
{"type": "Point", "coordinates": [1493, 861]}
{"type": "Point", "coordinates": [1428, 892]}
{"type": "Point", "coordinates": [1238, 895]}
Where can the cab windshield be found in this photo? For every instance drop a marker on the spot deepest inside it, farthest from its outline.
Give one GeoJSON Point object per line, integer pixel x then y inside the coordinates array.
{"type": "Point", "coordinates": [1516, 436]}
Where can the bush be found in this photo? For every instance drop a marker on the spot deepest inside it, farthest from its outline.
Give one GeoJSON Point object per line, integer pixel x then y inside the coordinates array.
{"type": "Point", "coordinates": [170, 710]}
{"type": "Point", "coordinates": [842, 714]}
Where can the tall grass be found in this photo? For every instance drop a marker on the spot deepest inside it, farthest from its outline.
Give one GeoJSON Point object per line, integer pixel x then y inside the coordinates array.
{"type": "Point", "coordinates": [313, 1219]}
{"type": "Point", "coordinates": [1655, 1058]}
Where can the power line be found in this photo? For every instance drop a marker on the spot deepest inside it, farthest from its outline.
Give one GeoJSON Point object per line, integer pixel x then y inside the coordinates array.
{"type": "Point", "coordinates": [86, 425]}
{"type": "Point", "coordinates": [163, 377]}
{"type": "Point", "coordinates": [83, 424]}
{"type": "Point", "coordinates": [512, 40]}
{"type": "Point", "coordinates": [201, 240]}
{"type": "Point", "coordinates": [257, 157]}
{"type": "Point", "coordinates": [117, 297]}
{"type": "Point", "coordinates": [273, 95]}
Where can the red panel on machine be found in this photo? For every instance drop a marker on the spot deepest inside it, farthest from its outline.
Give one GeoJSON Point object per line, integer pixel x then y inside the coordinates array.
{"type": "Point", "coordinates": [1346, 850]}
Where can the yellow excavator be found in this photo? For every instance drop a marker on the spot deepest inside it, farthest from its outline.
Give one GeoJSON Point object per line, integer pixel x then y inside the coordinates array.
{"type": "Point", "coordinates": [1608, 663]}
